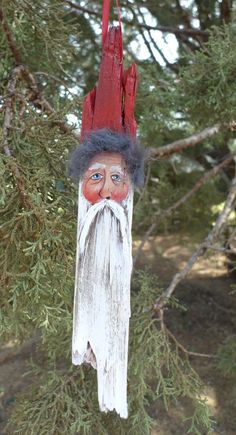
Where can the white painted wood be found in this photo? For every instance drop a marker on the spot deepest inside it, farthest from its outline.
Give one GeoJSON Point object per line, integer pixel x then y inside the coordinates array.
{"type": "Point", "coordinates": [102, 297]}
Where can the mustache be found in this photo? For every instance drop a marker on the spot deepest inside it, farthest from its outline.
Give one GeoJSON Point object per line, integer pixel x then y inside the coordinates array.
{"type": "Point", "coordinates": [103, 210]}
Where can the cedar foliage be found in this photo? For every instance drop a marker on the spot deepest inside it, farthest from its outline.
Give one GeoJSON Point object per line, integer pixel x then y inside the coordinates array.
{"type": "Point", "coordinates": [59, 46]}
{"type": "Point", "coordinates": [64, 400]}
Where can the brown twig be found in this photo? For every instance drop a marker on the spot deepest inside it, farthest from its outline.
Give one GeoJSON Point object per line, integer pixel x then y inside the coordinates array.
{"type": "Point", "coordinates": [164, 29]}
{"type": "Point", "coordinates": [155, 45]}
{"type": "Point", "coordinates": [187, 352]}
{"type": "Point", "coordinates": [149, 48]}
{"type": "Point", "coordinates": [174, 30]}
{"type": "Point", "coordinates": [226, 10]}
{"type": "Point", "coordinates": [82, 9]}
{"type": "Point", "coordinates": [180, 145]}
{"type": "Point", "coordinates": [10, 40]}
{"type": "Point", "coordinates": [8, 106]}
{"type": "Point", "coordinates": [209, 174]}
{"type": "Point", "coordinates": [209, 240]}
{"type": "Point", "coordinates": [230, 311]}
{"type": "Point", "coordinates": [7, 120]}
{"type": "Point", "coordinates": [184, 14]}
{"type": "Point", "coordinates": [40, 102]}
{"type": "Point", "coordinates": [165, 330]}
{"type": "Point", "coordinates": [57, 79]}
{"type": "Point", "coordinates": [223, 250]}
{"type": "Point", "coordinates": [213, 172]}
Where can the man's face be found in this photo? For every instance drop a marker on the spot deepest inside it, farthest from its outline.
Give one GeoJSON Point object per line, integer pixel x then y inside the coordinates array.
{"type": "Point", "coordinates": [106, 178]}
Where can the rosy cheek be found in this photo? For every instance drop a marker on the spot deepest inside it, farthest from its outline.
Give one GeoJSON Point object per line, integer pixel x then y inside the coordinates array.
{"type": "Point", "coordinates": [120, 193]}
{"type": "Point", "coordinates": [91, 192]}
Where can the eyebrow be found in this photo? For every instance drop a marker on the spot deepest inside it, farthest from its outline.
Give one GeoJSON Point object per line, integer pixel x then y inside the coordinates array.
{"type": "Point", "coordinates": [97, 166]}
{"type": "Point", "coordinates": [117, 168]}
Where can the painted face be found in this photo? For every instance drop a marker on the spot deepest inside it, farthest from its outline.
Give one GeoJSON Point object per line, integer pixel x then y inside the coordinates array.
{"type": "Point", "coordinates": [106, 178]}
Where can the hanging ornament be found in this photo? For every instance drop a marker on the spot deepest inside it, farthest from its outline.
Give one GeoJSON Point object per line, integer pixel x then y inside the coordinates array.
{"type": "Point", "coordinates": [108, 165]}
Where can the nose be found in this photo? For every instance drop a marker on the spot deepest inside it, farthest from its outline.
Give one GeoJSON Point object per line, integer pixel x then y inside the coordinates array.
{"type": "Point", "coordinates": [106, 189]}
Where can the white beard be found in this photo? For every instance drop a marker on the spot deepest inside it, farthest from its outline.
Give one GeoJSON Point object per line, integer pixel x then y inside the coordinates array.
{"type": "Point", "coordinates": [102, 297]}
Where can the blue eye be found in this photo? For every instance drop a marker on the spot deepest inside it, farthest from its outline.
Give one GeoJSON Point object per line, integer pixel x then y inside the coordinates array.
{"type": "Point", "coordinates": [116, 177]}
{"type": "Point", "coordinates": [96, 176]}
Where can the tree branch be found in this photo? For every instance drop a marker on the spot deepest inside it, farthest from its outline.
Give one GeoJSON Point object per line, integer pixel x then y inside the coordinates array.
{"type": "Point", "coordinates": [209, 241]}
{"type": "Point", "coordinates": [36, 97]}
{"type": "Point", "coordinates": [148, 46]}
{"type": "Point", "coordinates": [40, 102]}
{"type": "Point", "coordinates": [172, 67]}
{"type": "Point", "coordinates": [45, 106]}
{"type": "Point", "coordinates": [182, 144]}
{"type": "Point", "coordinates": [9, 38]}
{"type": "Point", "coordinates": [183, 14]}
{"type": "Point", "coordinates": [7, 120]}
{"type": "Point", "coordinates": [83, 9]}
{"type": "Point", "coordinates": [164, 29]}
{"type": "Point", "coordinates": [8, 107]}
{"type": "Point", "coordinates": [159, 218]}
{"type": "Point", "coordinates": [226, 9]}
{"type": "Point", "coordinates": [165, 330]}
{"type": "Point", "coordinates": [184, 350]}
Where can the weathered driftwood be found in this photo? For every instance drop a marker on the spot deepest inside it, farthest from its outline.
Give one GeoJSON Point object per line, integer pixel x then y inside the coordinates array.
{"type": "Point", "coordinates": [102, 296]}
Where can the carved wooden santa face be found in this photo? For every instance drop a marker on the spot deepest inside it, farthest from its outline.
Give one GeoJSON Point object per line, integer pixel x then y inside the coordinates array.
{"type": "Point", "coordinates": [106, 178]}
{"type": "Point", "coordinates": [103, 272]}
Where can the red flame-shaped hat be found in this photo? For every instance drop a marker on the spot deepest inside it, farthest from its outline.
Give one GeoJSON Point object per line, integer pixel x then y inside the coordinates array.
{"type": "Point", "coordinates": [111, 102]}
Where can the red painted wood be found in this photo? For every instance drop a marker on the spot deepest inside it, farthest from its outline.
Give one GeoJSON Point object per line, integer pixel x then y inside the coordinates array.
{"type": "Point", "coordinates": [105, 19]}
{"type": "Point", "coordinates": [88, 111]}
{"type": "Point", "coordinates": [108, 104]}
{"type": "Point", "coordinates": [111, 103]}
{"type": "Point", "coordinates": [130, 89]}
